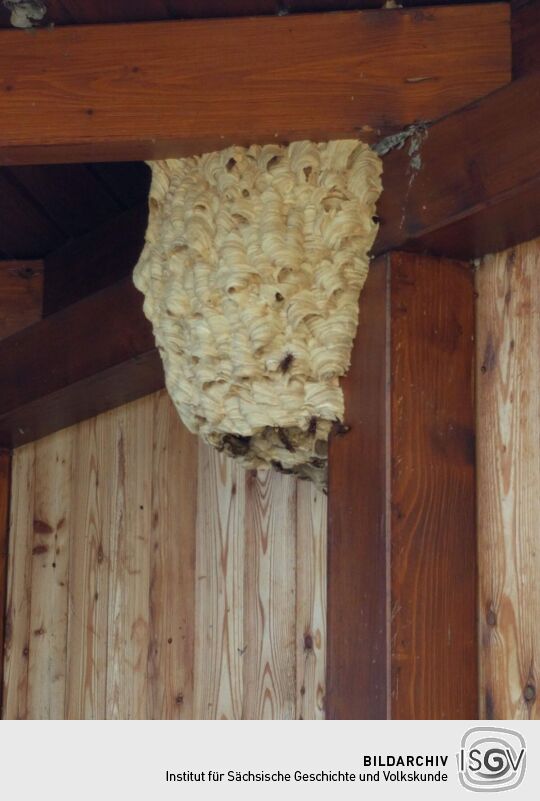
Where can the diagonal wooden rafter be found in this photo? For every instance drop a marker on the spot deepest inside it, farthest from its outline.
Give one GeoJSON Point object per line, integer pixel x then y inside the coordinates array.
{"type": "Point", "coordinates": [469, 184]}
{"type": "Point", "coordinates": [91, 356]}
{"type": "Point", "coordinates": [152, 90]}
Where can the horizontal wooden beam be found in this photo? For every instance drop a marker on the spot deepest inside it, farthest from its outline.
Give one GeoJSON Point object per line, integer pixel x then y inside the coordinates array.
{"type": "Point", "coordinates": [153, 90]}
{"type": "Point", "coordinates": [90, 357]}
{"type": "Point", "coordinates": [470, 183]}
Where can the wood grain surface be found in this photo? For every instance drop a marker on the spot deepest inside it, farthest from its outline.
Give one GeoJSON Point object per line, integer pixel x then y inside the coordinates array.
{"type": "Point", "coordinates": [91, 520]}
{"type": "Point", "coordinates": [5, 484]}
{"type": "Point", "coordinates": [219, 626]}
{"type": "Point", "coordinates": [294, 77]}
{"type": "Point", "coordinates": [401, 530]}
{"type": "Point", "coordinates": [508, 425]}
{"type": "Point", "coordinates": [432, 514]}
{"type": "Point", "coordinates": [311, 593]}
{"type": "Point", "coordinates": [260, 594]}
{"type": "Point", "coordinates": [151, 577]}
{"type": "Point", "coordinates": [270, 587]}
{"type": "Point", "coordinates": [19, 589]}
{"type": "Point", "coordinates": [89, 357]}
{"type": "Point", "coordinates": [473, 186]}
{"type": "Point", "coordinates": [358, 592]}
{"type": "Point", "coordinates": [49, 577]}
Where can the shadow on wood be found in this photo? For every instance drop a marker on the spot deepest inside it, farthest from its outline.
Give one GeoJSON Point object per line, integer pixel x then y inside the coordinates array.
{"type": "Point", "coordinates": [401, 537]}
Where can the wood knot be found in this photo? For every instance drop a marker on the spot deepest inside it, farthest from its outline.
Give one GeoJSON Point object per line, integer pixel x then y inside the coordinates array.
{"type": "Point", "coordinates": [26, 273]}
{"type": "Point", "coordinates": [529, 693]}
{"type": "Point", "coordinates": [491, 617]}
{"type": "Point", "coordinates": [490, 357]}
{"type": "Point", "coordinates": [41, 527]}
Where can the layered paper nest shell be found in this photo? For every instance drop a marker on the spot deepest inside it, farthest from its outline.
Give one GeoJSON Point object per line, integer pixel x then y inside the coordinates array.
{"type": "Point", "coordinates": [252, 268]}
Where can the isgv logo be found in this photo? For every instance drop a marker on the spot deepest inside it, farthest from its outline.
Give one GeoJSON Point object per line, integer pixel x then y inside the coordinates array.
{"type": "Point", "coordinates": [491, 759]}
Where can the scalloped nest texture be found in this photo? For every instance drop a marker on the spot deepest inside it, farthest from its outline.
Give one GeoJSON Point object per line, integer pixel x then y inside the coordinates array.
{"type": "Point", "coordinates": [253, 264]}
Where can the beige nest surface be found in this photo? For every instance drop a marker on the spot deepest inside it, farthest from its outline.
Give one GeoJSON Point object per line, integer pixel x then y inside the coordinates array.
{"type": "Point", "coordinates": [252, 268]}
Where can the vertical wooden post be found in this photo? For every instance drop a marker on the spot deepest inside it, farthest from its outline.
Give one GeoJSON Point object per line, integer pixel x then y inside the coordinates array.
{"type": "Point", "coordinates": [5, 463]}
{"type": "Point", "coordinates": [402, 540]}
{"type": "Point", "coordinates": [356, 673]}
{"type": "Point", "coordinates": [508, 402]}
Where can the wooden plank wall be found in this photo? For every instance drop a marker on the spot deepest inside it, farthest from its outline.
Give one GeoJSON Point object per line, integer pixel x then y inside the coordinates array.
{"type": "Point", "coordinates": [5, 467]}
{"type": "Point", "coordinates": [150, 577]}
{"type": "Point", "coordinates": [508, 451]}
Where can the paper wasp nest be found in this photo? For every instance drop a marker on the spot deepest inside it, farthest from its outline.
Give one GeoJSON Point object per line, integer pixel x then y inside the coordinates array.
{"type": "Point", "coordinates": [253, 264]}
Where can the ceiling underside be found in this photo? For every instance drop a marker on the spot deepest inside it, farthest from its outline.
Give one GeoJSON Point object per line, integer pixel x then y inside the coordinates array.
{"type": "Point", "coordinates": [44, 207]}
{"type": "Point", "coordinates": [85, 12]}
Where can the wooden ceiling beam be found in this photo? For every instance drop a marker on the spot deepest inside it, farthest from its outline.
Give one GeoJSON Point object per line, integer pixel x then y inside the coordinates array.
{"type": "Point", "coordinates": [470, 183]}
{"type": "Point", "coordinates": [153, 90]}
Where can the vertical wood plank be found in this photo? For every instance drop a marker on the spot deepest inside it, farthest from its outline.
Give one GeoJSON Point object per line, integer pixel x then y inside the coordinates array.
{"type": "Point", "coordinates": [508, 404]}
{"type": "Point", "coordinates": [221, 648]}
{"type": "Point", "coordinates": [433, 528]}
{"type": "Point", "coordinates": [17, 643]}
{"type": "Point", "coordinates": [401, 539]}
{"type": "Point", "coordinates": [311, 549]}
{"type": "Point", "coordinates": [50, 538]}
{"type": "Point", "coordinates": [89, 573]}
{"type": "Point", "coordinates": [172, 566]}
{"type": "Point", "coordinates": [137, 618]}
{"type": "Point", "coordinates": [129, 577]}
{"type": "Point", "coordinates": [5, 491]}
{"type": "Point", "coordinates": [270, 597]}
{"type": "Point", "coordinates": [357, 656]}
